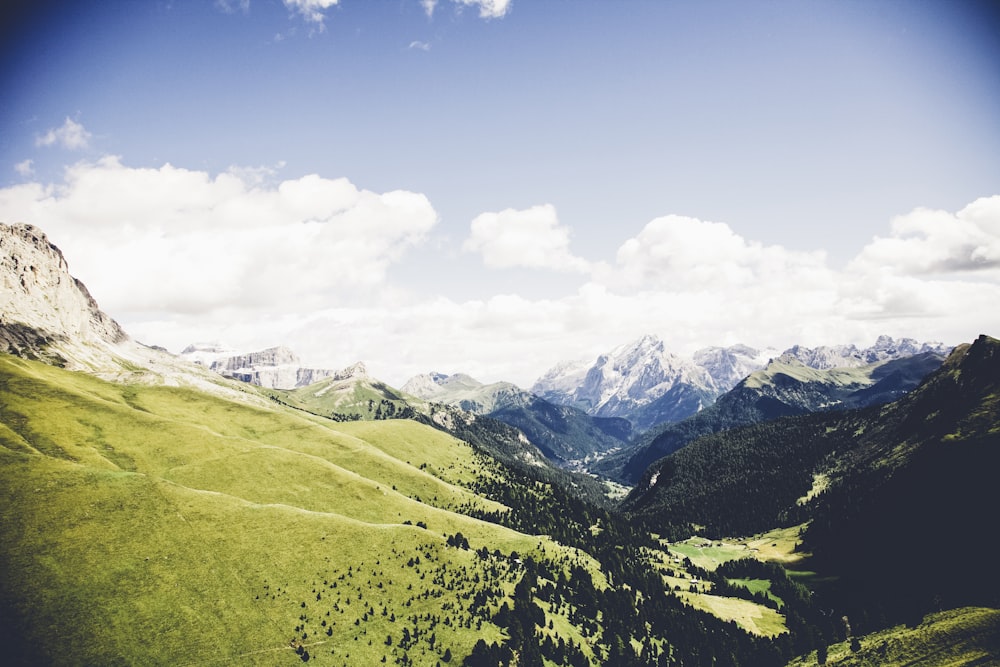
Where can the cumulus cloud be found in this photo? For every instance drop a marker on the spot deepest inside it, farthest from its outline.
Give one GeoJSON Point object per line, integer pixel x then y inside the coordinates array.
{"type": "Point", "coordinates": [531, 238]}
{"type": "Point", "coordinates": [675, 252]}
{"type": "Point", "coordinates": [25, 168]}
{"type": "Point", "coordinates": [70, 135]}
{"type": "Point", "coordinates": [183, 241]}
{"type": "Point", "coordinates": [926, 242]}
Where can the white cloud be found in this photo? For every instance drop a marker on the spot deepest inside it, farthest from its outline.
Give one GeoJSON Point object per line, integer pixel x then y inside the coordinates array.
{"type": "Point", "coordinates": [531, 238]}
{"type": "Point", "coordinates": [676, 252]}
{"type": "Point", "coordinates": [926, 242]}
{"type": "Point", "coordinates": [314, 11]}
{"type": "Point", "coordinates": [311, 10]}
{"type": "Point", "coordinates": [429, 6]}
{"type": "Point", "coordinates": [420, 46]}
{"type": "Point", "coordinates": [70, 134]}
{"type": "Point", "coordinates": [25, 168]}
{"type": "Point", "coordinates": [180, 241]}
{"type": "Point", "coordinates": [492, 9]}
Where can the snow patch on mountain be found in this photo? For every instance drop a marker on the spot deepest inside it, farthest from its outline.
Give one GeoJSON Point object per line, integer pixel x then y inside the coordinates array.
{"type": "Point", "coordinates": [635, 374]}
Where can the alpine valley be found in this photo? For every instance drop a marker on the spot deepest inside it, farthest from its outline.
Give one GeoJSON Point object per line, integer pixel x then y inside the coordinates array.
{"type": "Point", "coordinates": [736, 507]}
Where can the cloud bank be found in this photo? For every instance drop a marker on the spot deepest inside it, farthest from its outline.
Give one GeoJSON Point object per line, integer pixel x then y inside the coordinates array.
{"type": "Point", "coordinates": [179, 255]}
{"type": "Point", "coordinates": [172, 240]}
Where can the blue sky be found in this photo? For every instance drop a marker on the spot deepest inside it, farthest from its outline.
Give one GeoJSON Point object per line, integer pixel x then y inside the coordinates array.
{"type": "Point", "coordinates": [576, 174]}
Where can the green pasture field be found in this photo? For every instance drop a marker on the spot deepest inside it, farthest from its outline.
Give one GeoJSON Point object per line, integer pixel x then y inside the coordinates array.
{"type": "Point", "coordinates": [708, 554]}
{"type": "Point", "coordinates": [159, 525]}
{"type": "Point", "coordinates": [752, 617]}
{"type": "Point", "coordinates": [757, 586]}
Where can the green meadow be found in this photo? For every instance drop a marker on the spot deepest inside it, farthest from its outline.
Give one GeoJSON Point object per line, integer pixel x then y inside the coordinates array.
{"type": "Point", "coordinates": [754, 618]}
{"type": "Point", "coordinates": [157, 525]}
{"type": "Point", "coordinates": [707, 554]}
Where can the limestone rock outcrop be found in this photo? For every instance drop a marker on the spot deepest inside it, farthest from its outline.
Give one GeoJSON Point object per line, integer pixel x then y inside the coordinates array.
{"type": "Point", "coordinates": [44, 310]}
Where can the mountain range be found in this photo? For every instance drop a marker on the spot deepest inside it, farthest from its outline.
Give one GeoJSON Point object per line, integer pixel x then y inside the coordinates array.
{"type": "Point", "coordinates": [785, 387]}
{"type": "Point", "coordinates": [154, 511]}
{"type": "Point", "coordinates": [275, 367]}
{"type": "Point", "coordinates": [568, 414]}
{"type": "Point", "coordinates": [644, 382]}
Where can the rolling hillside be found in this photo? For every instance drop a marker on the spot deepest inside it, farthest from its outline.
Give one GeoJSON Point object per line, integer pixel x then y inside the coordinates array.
{"type": "Point", "coordinates": [225, 532]}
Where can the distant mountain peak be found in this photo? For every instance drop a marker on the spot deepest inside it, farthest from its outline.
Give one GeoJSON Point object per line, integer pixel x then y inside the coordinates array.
{"type": "Point", "coordinates": [644, 382]}
{"type": "Point", "coordinates": [434, 385]}
{"type": "Point", "coordinates": [275, 367]}
{"type": "Point", "coordinates": [355, 370]}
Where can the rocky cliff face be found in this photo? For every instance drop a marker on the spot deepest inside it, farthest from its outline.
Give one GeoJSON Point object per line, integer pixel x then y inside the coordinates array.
{"type": "Point", "coordinates": [641, 381]}
{"type": "Point", "coordinates": [44, 311]}
{"type": "Point", "coordinates": [275, 367]}
{"type": "Point", "coordinates": [728, 365]}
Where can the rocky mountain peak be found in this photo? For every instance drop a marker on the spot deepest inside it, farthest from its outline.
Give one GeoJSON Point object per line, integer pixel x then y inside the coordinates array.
{"type": "Point", "coordinates": [40, 302]}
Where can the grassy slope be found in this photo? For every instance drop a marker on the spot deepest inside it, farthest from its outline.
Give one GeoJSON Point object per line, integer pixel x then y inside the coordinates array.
{"type": "Point", "coordinates": [754, 618]}
{"type": "Point", "coordinates": [153, 525]}
{"type": "Point", "coordinates": [359, 397]}
{"type": "Point", "coordinates": [967, 636]}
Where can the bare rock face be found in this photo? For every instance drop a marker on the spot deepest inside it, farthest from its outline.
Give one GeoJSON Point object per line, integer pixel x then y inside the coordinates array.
{"type": "Point", "coordinates": [41, 305]}
{"type": "Point", "coordinates": [275, 367]}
